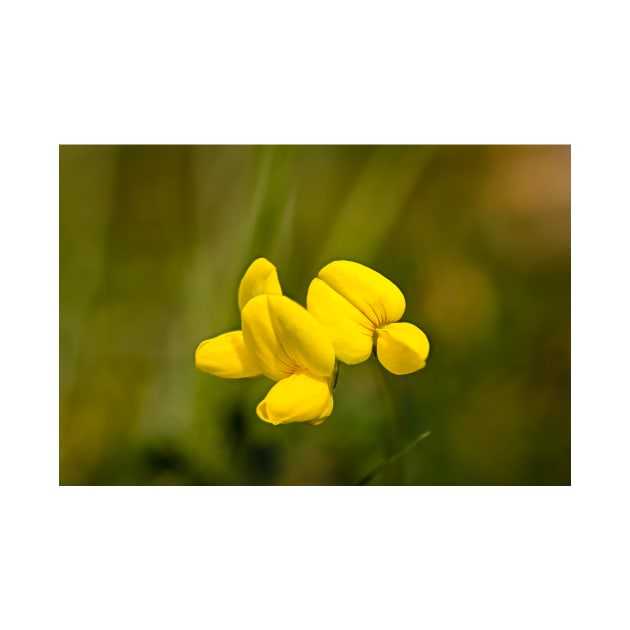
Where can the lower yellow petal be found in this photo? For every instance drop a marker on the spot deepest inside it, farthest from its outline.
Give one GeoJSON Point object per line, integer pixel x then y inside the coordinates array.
{"type": "Point", "coordinates": [402, 348]}
{"type": "Point", "coordinates": [300, 397]}
{"type": "Point", "coordinates": [350, 331]}
{"type": "Point", "coordinates": [226, 356]}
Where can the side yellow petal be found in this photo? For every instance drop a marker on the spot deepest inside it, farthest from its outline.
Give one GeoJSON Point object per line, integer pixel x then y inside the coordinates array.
{"type": "Point", "coordinates": [260, 278]}
{"type": "Point", "coordinates": [350, 331]}
{"type": "Point", "coordinates": [226, 356]}
{"type": "Point", "coordinates": [402, 348]}
{"type": "Point", "coordinates": [301, 336]}
{"type": "Point", "coordinates": [301, 397]}
{"type": "Point", "coordinates": [378, 298]}
{"type": "Point", "coordinates": [262, 341]}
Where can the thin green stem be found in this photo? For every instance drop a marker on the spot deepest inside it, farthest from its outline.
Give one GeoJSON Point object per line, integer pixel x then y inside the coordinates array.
{"type": "Point", "coordinates": [394, 425]}
{"type": "Point", "coordinates": [393, 458]}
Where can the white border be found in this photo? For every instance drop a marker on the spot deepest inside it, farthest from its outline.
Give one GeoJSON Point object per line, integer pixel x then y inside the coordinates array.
{"type": "Point", "coordinates": [277, 72]}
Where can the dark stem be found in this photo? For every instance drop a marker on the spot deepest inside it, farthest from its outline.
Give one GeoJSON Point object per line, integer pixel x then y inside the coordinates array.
{"type": "Point", "coordinates": [393, 458]}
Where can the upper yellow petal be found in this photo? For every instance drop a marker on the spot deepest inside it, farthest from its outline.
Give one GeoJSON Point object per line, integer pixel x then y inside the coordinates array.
{"type": "Point", "coordinates": [283, 338]}
{"type": "Point", "coordinates": [226, 356]}
{"type": "Point", "coordinates": [300, 397]}
{"type": "Point", "coordinates": [260, 278]}
{"type": "Point", "coordinates": [350, 331]}
{"type": "Point", "coordinates": [402, 348]}
{"type": "Point", "coordinates": [378, 298]}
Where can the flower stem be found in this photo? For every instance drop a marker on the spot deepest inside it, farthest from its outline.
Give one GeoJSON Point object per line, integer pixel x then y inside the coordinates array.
{"type": "Point", "coordinates": [393, 458]}
{"type": "Point", "coordinates": [394, 429]}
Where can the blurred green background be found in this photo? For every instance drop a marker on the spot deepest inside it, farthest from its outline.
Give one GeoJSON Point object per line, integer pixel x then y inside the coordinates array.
{"type": "Point", "coordinates": [154, 241]}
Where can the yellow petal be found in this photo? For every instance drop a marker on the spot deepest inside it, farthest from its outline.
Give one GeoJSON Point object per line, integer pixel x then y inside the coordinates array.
{"type": "Point", "coordinates": [226, 356]}
{"type": "Point", "coordinates": [283, 337]}
{"type": "Point", "coordinates": [301, 397]}
{"type": "Point", "coordinates": [378, 298]}
{"type": "Point", "coordinates": [260, 278]}
{"type": "Point", "coordinates": [262, 341]}
{"type": "Point", "coordinates": [350, 331]}
{"type": "Point", "coordinates": [402, 348]}
{"type": "Point", "coordinates": [302, 336]}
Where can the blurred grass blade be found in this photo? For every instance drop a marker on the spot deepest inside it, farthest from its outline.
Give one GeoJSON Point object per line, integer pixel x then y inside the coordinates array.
{"type": "Point", "coordinates": [403, 451]}
{"type": "Point", "coordinates": [376, 202]}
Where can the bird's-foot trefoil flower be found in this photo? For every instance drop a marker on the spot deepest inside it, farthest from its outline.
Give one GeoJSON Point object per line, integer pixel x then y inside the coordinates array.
{"type": "Point", "coordinates": [359, 309]}
{"type": "Point", "coordinates": [281, 340]}
{"type": "Point", "coordinates": [290, 346]}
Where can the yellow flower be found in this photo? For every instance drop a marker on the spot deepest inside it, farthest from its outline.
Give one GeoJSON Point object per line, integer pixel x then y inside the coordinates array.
{"type": "Point", "coordinates": [226, 355]}
{"type": "Point", "coordinates": [289, 346]}
{"type": "Point", "coordinates": [281, 340]}
{"type": "Point", "coordinates": [360, 308]}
